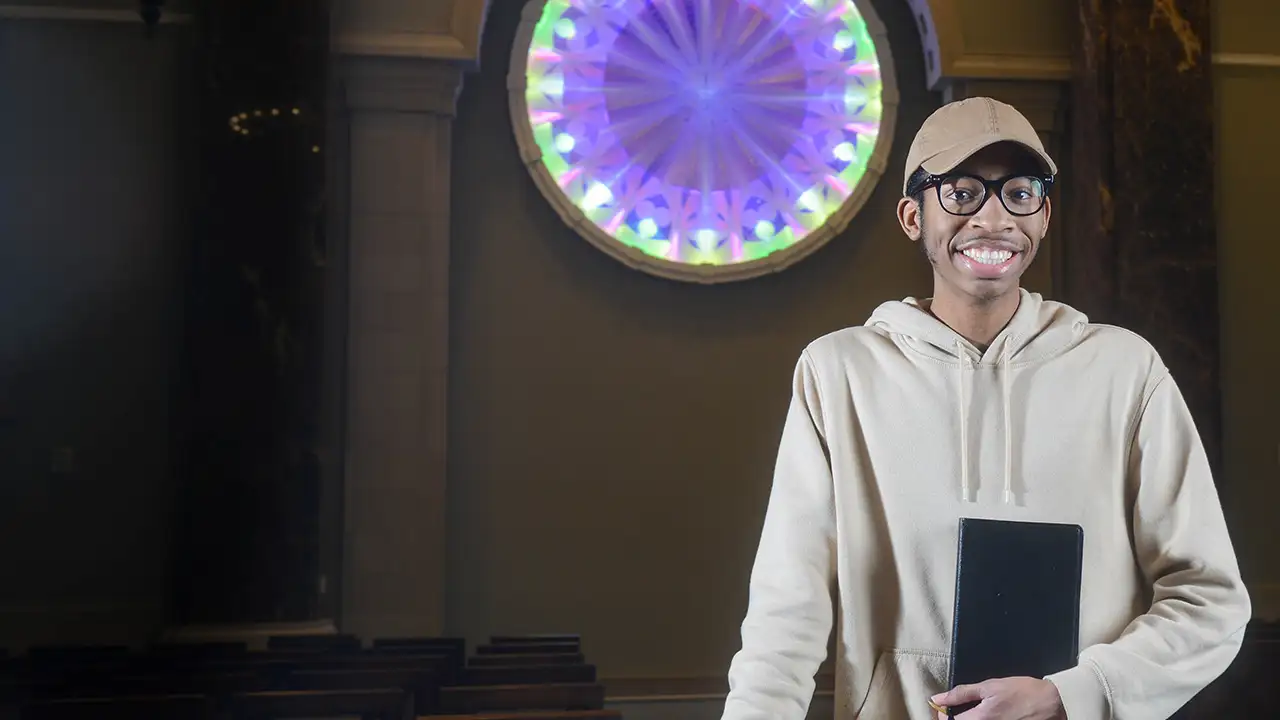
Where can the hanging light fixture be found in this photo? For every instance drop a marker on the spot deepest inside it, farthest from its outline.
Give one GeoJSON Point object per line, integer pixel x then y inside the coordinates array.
{"type": "Point", "coordinates": [150, 12]}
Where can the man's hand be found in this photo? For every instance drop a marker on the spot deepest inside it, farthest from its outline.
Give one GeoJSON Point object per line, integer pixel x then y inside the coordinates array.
{"type": "Point", "coordinates": [1020, 698]}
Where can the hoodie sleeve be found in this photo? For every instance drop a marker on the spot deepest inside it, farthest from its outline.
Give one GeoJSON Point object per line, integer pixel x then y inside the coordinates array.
{"type": "Point", "coordinates": [789, 612]}
{"type": "Point", "coordinates": [1200, 607]}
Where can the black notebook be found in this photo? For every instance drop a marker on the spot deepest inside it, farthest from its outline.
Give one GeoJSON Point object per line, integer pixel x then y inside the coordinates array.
{"type": "Point", "coordinates": [1017, 606]}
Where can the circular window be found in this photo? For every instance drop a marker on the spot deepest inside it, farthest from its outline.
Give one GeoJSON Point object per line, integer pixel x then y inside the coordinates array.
{"type": "Point", "coordinates": [705, 140]}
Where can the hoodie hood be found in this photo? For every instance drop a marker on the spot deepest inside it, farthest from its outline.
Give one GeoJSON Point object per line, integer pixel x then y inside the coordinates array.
{"type": "Point", "coordinates": [1038, 330]}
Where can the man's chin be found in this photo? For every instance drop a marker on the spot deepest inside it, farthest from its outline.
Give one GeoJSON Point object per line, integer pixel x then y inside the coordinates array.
{"type": "Point", "coordinates": [985, 290]}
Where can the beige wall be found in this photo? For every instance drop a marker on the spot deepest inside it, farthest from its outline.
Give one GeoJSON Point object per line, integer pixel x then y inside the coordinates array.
{"type": "Point", "coordinates": [598, 484]}
{"type": "Point", "coordinates": [418, 17]}
{"type": "Point", "coordinates": [1248, 148]}
{"type": "Point", "coordinates": [612, 435]}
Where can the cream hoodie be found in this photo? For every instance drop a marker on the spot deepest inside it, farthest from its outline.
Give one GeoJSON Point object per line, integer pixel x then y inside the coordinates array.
{"type": "Point", "coordinates": [899, 428]}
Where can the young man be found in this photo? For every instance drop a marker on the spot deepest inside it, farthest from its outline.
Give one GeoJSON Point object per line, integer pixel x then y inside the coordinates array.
{"type": "Point", "coordinates": [984, 401]}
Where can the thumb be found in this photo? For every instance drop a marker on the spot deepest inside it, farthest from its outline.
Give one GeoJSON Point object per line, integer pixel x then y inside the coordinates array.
{"type": "Point", "coordinates": [959, 695]}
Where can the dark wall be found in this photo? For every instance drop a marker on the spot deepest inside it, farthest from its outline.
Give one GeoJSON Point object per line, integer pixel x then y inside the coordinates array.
{"type": "Point", "coordinates": [93, 231]}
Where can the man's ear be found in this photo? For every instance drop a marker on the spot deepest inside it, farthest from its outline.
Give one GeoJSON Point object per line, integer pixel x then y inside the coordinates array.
{"type": "Point", "coordinates": [909, 217]}
{"type": "Point", "coordinates": [1048, 210]}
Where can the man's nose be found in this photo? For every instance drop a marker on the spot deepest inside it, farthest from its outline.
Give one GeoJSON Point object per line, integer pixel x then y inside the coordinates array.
{"type": "Point", "coordinates": [992, 217]}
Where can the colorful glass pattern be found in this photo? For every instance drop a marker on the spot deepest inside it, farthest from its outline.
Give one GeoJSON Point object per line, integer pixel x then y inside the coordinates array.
{"type": "Point", "coordinates": [704, 132]}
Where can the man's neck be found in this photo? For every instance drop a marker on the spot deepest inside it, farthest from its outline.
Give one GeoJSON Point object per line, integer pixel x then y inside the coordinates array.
{"type": "Point", "coordinates": [977, 322]}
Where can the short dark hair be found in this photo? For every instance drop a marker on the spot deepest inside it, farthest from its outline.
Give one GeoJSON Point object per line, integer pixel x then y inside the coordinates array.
{"type": "Point", "coordinates": [915, 185]}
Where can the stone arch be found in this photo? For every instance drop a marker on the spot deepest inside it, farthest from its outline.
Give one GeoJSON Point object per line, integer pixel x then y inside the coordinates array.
{"type": "Point", "coordinates": [936, 21]}
{"type": "Point", "coordinates": [937, 24]}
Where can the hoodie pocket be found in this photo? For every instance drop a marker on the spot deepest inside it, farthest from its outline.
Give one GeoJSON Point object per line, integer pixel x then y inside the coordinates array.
{"type": "Point", "coordinates": [902, 683]}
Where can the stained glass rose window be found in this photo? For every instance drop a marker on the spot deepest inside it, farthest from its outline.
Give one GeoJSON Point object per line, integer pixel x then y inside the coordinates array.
{"type": "Point", "coordinates": [703, 140]}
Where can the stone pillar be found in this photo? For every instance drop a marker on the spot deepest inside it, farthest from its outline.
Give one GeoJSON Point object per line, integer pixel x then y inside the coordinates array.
{"type": "Point", "coordinates": [399, 115]}
{"type": "Point", "coordinates": [1143, 251]}
{"type": "Point", "coordinates": [1044, 103]}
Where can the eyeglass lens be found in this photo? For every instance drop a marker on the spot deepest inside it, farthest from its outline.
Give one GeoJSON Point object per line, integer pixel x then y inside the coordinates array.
{"type": "Point", "coordinates": [964, 195]}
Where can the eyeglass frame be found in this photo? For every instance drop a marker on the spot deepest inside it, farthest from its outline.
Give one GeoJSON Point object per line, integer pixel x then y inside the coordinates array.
{"type": "Point", "coordinates": [935, 181]}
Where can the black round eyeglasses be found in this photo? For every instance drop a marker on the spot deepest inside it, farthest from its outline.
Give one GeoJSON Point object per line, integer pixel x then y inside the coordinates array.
{"type": "Point", "coordinates": [1021, 195]}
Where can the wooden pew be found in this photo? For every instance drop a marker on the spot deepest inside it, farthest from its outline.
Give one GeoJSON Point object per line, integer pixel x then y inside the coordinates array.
{"type": "Point", "coordinates": [445, 669]}
{"type": "Point", "coordinates": [572, 638]}
{"type": "Point", "coordinates": [421, 684]}
{"type": "Point", "coordinates": [523, 660]}
{"type": "Point", "coordinates": [454, 648]}
{"type": "Point", "coordinates": [418, 643]}
{"type": "Point", "coordinates": [53, 665]}
{"type": "Point", "coordinates": [313, 643]}
{"type": "Point", "coordinates": [174, 707]}
{"type": "Point", "coordinates": [29, 679]}
{"type": "Point", "coordinates": [539, 715]}
{"type": "Point", "coordinates": [271, 669]}
{"type": "Point", "coordinates": [527, 644]}
{"type": "Point", "coordinates": [212, 649]}
{"type": "Point", "coordinates": [528, 675]}
{"type": "Point", "coordinates": [537, 676]}
{"type": "Point", "coordinates": [79, 654]}
{"type": "Point", "coordinates": [464, 699]}
{"type": "Point", "coordinates": [172, 683]}
{"type": "Point", "coordinates": [383, 704]}
{"type": "Point", "coordinates": [223, 675]}
{"type": "Point", "coordinates": [278, 666]}
{"type": "Point", "coordinates": [529, 648]}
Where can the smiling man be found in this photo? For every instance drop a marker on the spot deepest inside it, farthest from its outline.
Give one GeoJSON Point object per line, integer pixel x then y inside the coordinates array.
{"type": "Point", "coordinates": [984, 400]}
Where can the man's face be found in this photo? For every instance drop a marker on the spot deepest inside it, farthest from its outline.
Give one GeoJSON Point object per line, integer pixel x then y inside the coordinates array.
{"type": "Point", "coordinates": [983, 255]}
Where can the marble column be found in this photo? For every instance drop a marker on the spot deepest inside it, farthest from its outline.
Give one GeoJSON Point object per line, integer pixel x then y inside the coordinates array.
{"type": "Point", "coordinates": [399, 117]}
{"type": "Point", "coordinates": [1143, 250]}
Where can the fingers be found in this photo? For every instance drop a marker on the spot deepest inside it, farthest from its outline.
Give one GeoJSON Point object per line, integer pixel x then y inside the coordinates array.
{"type": "Point", "coordinates": [959, 695]}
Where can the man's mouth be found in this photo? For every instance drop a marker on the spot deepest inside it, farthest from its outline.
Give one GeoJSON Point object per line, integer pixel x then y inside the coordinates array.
{"type": "Point", "coordinates": [989, 262]}
{"type": "Point", "coordinates": [987, 256]}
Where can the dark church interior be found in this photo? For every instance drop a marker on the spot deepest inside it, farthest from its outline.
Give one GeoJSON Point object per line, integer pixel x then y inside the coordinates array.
{"type": "Point", "coordinates": [322, 393]}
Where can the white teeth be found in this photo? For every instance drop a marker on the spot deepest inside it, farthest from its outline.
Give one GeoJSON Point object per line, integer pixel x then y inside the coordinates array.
{"type": "Point", "coordinates": [988, 257]}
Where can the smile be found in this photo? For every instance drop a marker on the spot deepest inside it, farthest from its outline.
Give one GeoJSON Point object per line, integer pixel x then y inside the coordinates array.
{"type": "Point", "coordinates": [988, 257]}
{"type": "Point", "coordinates": [986, 262]}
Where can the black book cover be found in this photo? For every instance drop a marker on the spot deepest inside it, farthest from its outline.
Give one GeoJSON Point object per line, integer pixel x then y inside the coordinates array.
{"type": "Point", "coordinates": [1017, 603]}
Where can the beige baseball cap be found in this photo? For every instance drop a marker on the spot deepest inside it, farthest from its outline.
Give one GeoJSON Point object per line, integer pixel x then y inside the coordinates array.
{"type": "Point", "coordinates": [959, 129]}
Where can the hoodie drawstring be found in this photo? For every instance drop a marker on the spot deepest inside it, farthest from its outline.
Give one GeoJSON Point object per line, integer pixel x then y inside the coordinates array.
{"type": "Point", "coordinates": [966, 364]}
{"type": "Point", "coordinates": [965, 487]}
{"type": "Point", "coordinates": [1005, 374]}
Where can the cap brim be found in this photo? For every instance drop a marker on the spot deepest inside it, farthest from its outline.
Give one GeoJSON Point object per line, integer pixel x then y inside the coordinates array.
{"type": "Point", "coordinates": [948, 159]}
